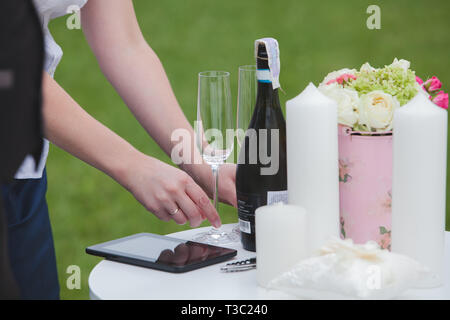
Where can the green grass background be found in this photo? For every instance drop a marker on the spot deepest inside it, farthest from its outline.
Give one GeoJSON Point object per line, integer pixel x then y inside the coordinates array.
{"type": "Point", "coordinates": [189, 36]}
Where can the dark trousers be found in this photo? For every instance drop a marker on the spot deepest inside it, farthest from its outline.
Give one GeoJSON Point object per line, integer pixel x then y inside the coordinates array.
{"type": "Point", "coordinates": [30, 241]}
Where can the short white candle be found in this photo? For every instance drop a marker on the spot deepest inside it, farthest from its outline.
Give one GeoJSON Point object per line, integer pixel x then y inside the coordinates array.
{"type": "Point", "coordinates": [312, 162]}
{"type": "Point", "coordinates": [418, 184]}
{"type": "Point", "coordinates": [280, 240]}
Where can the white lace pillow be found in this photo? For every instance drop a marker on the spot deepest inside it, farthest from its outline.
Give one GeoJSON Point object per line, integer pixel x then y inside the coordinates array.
{"type": "Point", "coordinates": [344, 270]}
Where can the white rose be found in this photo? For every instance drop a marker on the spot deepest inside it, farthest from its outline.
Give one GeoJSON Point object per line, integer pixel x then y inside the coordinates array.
{"type": "Point", "coordinates": [376, 110]}
{"type": "Point", "coordinates": [404, 64]}
{"type": "Point", "coordinates": [347, 101]}
{"type": "Point", "coordinates": [366, 67]}
{"type": "Point", "coordinates": [336, 74]}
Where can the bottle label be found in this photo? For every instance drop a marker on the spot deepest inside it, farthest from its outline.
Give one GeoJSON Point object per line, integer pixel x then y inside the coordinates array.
{"type": "Point", "coordinates": [263, 75]}
{"type": "Point", "coordinates": [246, 205]}
{"type": "Point", "coordinates": [273, 53]}
{"type": "Point", "coordinates": [244, 226]}
{"type": "Point", "coordinates": [277, 196]}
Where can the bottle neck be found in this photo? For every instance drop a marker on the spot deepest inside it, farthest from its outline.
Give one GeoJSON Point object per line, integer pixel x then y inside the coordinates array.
{"type": "Point", "coordinates": [266, 94]}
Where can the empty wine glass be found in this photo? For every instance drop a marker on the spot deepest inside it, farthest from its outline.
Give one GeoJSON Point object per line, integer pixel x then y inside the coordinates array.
{"type": "Point", "coordinates": [214, 136]}
{"type": "Point", "coordinates": [246, 100]}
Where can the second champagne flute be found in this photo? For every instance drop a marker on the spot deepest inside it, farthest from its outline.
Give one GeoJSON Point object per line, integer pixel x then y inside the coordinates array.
{"type": "Point", "coordinates": [246, 100]}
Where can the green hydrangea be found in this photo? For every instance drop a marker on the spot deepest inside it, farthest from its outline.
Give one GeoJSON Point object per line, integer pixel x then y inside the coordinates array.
{"type": "Point", "coordinates": [390, 79]}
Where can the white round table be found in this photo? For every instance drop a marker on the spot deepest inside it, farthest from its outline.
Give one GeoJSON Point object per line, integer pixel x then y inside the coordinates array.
{"type": "Point", "coordinates": [118, 281]}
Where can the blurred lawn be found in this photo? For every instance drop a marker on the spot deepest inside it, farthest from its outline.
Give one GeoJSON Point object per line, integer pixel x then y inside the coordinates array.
{"type": "Point", "coordinates": [315, 38]}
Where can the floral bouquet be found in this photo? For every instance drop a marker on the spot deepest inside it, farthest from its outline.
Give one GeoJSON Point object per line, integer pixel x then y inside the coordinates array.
{"type": "Point", "coordinates": [366, 101]}
{"type": "Point", "coordinates": [368, 98]}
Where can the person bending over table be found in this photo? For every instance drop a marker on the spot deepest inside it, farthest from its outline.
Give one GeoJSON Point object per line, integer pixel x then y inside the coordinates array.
{"type": "Point", "coordinates": [133, 68]}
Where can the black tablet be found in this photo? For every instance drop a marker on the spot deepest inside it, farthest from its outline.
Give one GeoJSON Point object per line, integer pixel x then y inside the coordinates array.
{"type": "Point", "coordinates": [161, 252]}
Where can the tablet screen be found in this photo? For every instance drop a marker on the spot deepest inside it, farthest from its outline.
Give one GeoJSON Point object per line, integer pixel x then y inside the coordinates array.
{"type": "Point", "coordinates": [159, 249]}
{"type": "Point", "coordinates": [144, 246]}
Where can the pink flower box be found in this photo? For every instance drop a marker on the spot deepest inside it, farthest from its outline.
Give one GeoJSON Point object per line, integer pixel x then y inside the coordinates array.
{"type": "Point", "coordinates": [365, 184]}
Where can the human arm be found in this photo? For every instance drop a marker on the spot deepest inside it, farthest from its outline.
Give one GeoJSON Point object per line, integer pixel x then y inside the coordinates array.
{"type": "Point", "coordinates": [133, 68]}
{"type": "Point", "coordinates": [159, 187]}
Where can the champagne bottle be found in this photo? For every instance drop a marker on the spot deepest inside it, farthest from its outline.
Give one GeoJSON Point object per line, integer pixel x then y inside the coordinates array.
{"type": "Point", "coordinates": [258, 181]}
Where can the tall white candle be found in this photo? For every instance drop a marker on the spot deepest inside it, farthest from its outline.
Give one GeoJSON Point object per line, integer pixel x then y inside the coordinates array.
{"type": "Point", "coordinates": [418, 184]}
{"type": "Point", "coordinates": [312, 162]}
{"type": "Point", "coordinates": [280, 240]}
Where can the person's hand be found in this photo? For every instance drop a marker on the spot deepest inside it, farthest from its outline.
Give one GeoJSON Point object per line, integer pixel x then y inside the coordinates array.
{"type": "Point", "coordinates": [202, 174]}
{"type": "Point", "coordinates": [169, 192]}
{"type": "Point", "coordinates": [227, 184]}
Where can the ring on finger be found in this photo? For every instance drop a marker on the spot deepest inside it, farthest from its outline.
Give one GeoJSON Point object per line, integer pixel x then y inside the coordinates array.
{"type": "Point", "coordinates": [174, 212]}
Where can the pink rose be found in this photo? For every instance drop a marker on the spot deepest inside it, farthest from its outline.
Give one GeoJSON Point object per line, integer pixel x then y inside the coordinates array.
{"type": "Point", "coordinates": [419, 80]}
{"type": "Point", "coordinates": [385, 242]}
{"type": "Point", "coordinates": [432, 84]}
{"type": "Point", "coordinates": [344, 175]}
{"type": "Point", "coordinates": [441, 100]}
{"type": "Point", "coordinates": [342, 78]}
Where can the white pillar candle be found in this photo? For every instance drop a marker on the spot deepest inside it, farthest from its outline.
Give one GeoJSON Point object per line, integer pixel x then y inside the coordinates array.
{"type": "Point", "coordinates": [418, 184]}
{"type": "Point", "coordinates": [312, 162]}
{"type": "Point", "coordinates": [280, 240]}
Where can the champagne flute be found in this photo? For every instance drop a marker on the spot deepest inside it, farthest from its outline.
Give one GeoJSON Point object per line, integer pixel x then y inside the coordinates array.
{"type": "Point", "coordinates": [214, 136]}
{"type": "Point", "coordinates": [246, 100]}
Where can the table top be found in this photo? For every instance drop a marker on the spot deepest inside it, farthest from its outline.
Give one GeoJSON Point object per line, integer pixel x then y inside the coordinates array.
{"type": "Point", "coordinates": [119, 281]}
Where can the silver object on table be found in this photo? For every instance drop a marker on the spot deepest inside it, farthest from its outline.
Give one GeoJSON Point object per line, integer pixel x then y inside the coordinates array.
{"type": "Point", "coordinates": [242, 265]}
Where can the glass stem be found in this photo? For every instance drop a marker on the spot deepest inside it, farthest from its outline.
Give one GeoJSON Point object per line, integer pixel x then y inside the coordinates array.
{"type": "Point", "coordinates": [215, 171]}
